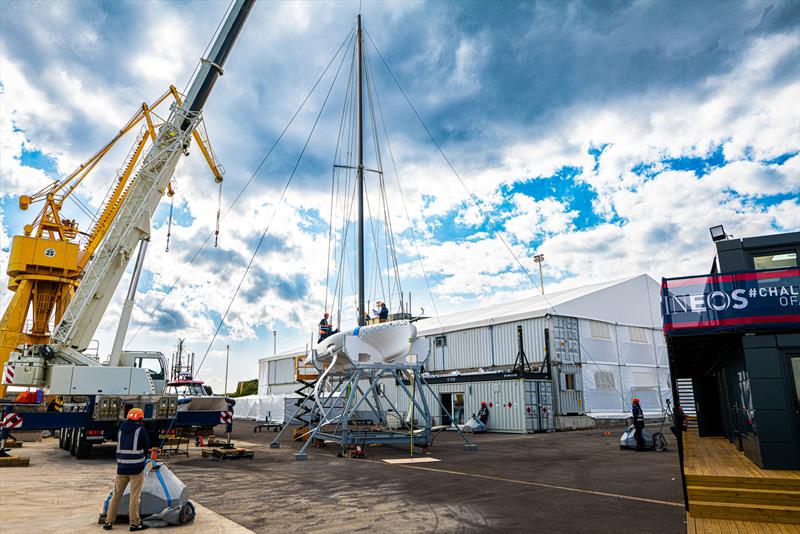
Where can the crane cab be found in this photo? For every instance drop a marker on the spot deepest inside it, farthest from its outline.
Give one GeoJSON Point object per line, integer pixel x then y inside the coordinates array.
{"type": "Point", "coordinates": [151, 361]}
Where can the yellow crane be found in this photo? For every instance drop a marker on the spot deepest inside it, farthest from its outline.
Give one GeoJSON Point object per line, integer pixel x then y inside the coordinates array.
{"type": "Point", "coordinates": [46, 262]}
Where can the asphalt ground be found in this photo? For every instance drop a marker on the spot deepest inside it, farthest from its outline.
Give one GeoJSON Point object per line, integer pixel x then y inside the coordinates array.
{"type": "Point", "coordinates": [557, 482]}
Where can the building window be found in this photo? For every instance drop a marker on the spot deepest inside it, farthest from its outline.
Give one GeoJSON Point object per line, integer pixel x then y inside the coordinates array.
{"type": "Point", "coordinates": [775, 260]}
{"type": "Point", "coordinates": [440, 341]}
{"type": "Point", "coordinates": [599, 330]}
{"type": "Point", "coordinates": [639, 335]}
{"type": "Point", "coordinates": [569, 381]}
{"type": "Point", "coordinates": [603, 380]}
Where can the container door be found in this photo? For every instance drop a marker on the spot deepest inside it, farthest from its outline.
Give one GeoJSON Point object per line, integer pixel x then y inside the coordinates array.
{"type": "Point", "coordinates": [546, 406]}
{"type": "Point", "coordinates": [458, 408]}
{"type": "Point", "coordinates": [530, 395]}
{"type": "Point", "coordinates": [447, 404]}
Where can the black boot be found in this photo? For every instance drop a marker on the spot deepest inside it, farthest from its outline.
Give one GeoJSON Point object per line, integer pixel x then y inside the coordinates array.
{"type": "Point", "coordinates": [140, 526]}
{"type": "Point", "coordinates": [107, 526]}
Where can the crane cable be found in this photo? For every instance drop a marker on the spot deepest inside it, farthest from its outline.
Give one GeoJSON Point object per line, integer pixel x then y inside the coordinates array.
{"type": "Point", "coordinates": [196, 253]}
{"type": "Point", "coordinates": [274, 212]}
{"type": "Point", "coordinates": [272, 218]}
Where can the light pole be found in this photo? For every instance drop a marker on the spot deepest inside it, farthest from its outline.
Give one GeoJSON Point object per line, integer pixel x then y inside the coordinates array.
{"type": "Point", "coordinates": [274, 342]}
{"type": "Point", "coordinates": [539, 258]}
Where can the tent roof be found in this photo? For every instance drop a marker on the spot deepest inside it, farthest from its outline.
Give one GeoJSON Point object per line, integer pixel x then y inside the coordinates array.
{"type": "Point", "coordinates": [633, 301]}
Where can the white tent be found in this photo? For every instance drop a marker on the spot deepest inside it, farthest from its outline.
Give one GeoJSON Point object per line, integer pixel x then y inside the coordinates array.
{"type": "Point", "coordinates": [264, 407]}
{"type": "Point", "coordinates": [627, 301]}
{"type": "Point", "coordinates": [606, 342]}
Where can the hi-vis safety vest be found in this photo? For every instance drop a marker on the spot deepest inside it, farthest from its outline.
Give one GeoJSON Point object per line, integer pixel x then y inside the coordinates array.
{"type": "Point", "coordinates": [129, 453]}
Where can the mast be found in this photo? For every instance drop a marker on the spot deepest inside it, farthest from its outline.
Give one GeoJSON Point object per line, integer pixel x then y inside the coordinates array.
{"type": "Point", "coordinates": [360, 173]}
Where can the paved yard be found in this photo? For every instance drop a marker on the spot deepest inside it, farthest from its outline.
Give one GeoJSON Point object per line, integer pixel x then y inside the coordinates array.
{"type": "Point", "coordinates": [560, 482]}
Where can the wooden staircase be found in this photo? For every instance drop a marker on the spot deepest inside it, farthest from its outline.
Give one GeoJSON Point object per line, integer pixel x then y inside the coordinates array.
{"type": "Point", "coordinates": [722, 484]}
{"type": "Point", "coordinates": [765, 500]}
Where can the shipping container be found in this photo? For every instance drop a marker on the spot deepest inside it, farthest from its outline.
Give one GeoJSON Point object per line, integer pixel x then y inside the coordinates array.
{"type": "Point", "coordinates": [509, 407]}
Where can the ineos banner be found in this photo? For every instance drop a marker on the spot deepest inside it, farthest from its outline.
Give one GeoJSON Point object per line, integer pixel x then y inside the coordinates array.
{"type": "Point", "coordinates": [737, 301]}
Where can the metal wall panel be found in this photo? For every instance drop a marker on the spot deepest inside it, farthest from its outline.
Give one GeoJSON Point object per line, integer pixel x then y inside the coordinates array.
{"type": "Point", "coordinates": [506, 346]}
{"type": "Point", "coordinates": [504, 398]}
{"type": "Point", "coordinates": [570, 401]}
{"type": "Point", "coordinates": [564, 339]}
{"type": "Point", "coordinates": [465, 349]}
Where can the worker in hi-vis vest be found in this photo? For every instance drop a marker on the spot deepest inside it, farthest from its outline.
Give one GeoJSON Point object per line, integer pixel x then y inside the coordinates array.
{"type": "Point", "coordinates": [132, 446]}
{"type": "Point", "coordinates": [638, 423]}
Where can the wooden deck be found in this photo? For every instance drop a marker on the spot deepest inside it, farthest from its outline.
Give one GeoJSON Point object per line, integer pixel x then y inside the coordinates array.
{"type": "Point", "coordinates": [703, 525]}
{"type": "Point", "coordinates": [730, 494]}
{"type": "Point", "coordinates": [716, 456]}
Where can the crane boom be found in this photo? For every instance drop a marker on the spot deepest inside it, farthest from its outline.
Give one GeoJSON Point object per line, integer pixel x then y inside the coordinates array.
{"type": "Point", "coordinates": [132, 224]}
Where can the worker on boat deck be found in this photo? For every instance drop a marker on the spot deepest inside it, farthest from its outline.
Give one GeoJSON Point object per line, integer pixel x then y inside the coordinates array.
{"type": "Point", "coordinates": [638, 423]}
{"type": "Point", "coordinates": [132, 445]}
{"type": "Point", "coordinates": [382, 312]}
{"type": "Point", "coordinates": [325, 328]}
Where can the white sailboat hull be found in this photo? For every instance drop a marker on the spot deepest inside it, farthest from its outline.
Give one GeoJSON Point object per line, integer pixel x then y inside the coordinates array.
{"type": "Point", "coordinates": [392, 343]}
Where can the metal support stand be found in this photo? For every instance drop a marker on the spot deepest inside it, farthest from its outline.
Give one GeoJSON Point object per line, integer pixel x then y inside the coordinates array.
{"type": "Point", "coordinates": [335, 411]}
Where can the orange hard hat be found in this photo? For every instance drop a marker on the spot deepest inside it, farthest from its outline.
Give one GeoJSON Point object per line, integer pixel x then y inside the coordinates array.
{"type": "Point", "coordinates": [135, 414]}
{"type": "Point", "coordinates": [635, 400]}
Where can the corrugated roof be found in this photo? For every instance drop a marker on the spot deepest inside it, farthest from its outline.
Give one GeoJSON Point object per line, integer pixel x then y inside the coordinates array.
{"type": "Point", "coordinates": [632, 301]}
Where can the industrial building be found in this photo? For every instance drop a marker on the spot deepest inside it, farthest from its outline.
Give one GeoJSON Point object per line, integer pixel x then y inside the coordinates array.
{"type": "Point", "coordinates": [604, 342]}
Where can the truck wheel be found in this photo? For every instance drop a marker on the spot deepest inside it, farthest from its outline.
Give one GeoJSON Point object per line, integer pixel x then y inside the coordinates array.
{"type": "Point", "coordinates": [83, 449]}
{"type": "Point", "coordinates": [61, 438]}
{"type": "Point", "coordinates": [73, 442]}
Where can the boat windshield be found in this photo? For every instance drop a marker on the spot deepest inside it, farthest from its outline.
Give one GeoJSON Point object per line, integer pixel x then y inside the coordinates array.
{"type": "Point", "coordinates": [187, 390]}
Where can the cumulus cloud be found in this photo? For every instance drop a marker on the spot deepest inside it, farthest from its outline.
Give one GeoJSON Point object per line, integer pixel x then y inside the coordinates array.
{"type": "Point", "coordinates": [658, 123]}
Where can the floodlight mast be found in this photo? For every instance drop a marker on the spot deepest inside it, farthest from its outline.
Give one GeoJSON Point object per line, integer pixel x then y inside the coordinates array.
{"type": "Point", "coordinates": [81, 318]}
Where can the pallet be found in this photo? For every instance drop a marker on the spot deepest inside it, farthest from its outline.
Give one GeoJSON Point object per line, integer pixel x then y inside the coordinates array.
{"type": "Point", "coordinates": [222, 453]}
{"type": "Point", "coordinates": [13, 444]}
{"type": "Point", "coordinates": [14, 461]}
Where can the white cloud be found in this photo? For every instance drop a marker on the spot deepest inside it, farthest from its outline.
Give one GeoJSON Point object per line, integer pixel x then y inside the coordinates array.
{"type": "Point", "coordinates": [67, 105]}
{"type": "Point", "coordinates": [535, 218]}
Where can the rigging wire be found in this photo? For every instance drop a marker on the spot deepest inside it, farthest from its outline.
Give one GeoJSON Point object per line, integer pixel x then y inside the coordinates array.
{"type": "Point", "coordinates": [486, 217]}
{"type": "Point", "coordinates": [335, 185]}
{"type": "Point", "coordinates": [390, 244]}
{"type": "Point", "coordinates": [474, 199]}
{"type": "Point", "coordinates": [405, 208]}
{"type": "Point", "coordinates": [272, 218]}
{"type": "Point", "coordinates": [196, 253]}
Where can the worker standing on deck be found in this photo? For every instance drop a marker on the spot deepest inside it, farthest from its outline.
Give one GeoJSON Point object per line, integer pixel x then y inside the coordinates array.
{"type": "Point", "coordinates": [325, 328]}
{"type": "Point", "coordinates": [132, 446]}
{"type": "Point", "coordinates": [382, 311]}
{"type": "Point", "coordinates": [638, 423]}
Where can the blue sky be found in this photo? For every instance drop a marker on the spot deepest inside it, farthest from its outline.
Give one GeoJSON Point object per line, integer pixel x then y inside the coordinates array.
{"type": "Point", "coordinates": [607, 135]}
